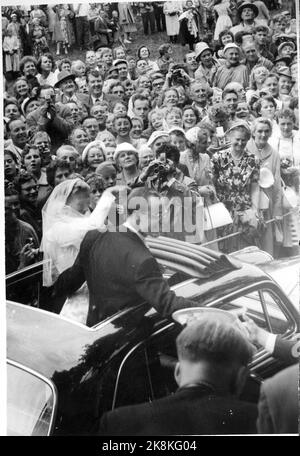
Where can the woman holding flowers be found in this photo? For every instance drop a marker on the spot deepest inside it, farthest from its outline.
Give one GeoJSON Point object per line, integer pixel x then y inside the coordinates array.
{"type": "Point", "coordinates": [236, 174]}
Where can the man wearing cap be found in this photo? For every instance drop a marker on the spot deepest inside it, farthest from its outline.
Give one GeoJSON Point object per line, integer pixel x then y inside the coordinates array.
{"type": "Point", "coordinates": [207, 64]}
{"type": "Point", "coordinates": [67, 86]}
{"type": "Point", "coordinates": [232, 70]}
{"type": "Point", "coordinates": [286, 49]}
{"type": "Point", "coordinates": [210, 371]}
{"type": "Point", "coordinates": [285, 83]}
{"type": "Point", "coordinates": [248, 13]}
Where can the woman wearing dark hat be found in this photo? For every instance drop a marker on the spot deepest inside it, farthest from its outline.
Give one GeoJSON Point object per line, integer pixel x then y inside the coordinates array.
{"type": "Point", "coordinates": [236, 174]}
{"type": "Point", "coordinates": [248, 13]}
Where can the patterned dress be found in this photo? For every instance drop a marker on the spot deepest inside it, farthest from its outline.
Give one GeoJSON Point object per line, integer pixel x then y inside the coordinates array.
{"type": "Point", "coordinates": [233, 182]}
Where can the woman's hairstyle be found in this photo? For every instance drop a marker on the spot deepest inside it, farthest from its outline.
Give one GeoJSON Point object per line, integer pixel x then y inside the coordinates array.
{"type": "Point", "coordinates": [139, 51]}
{"type": "Point", "coordinates": [163, 49]}
{"type": "Point", "coordinates": [66, 60]}
{"type": "Point", "coordinates": [53, 167]}
{"type": "Point", "coordinates": [286, 114]}
{"type": "Point", "coordinates": [12, 154]}
{"type": "Point", "coordinates": [240, 128]}
{"type": "Point", "coordinates": [139, 119]}
{"type": "Point", "coordinates": [172, 152]}
{"type": "Point", "coordinates": [126, 83]}
{"type": "Point", "coordinates": [261, 120]}
{"type": "Point", "coordinates": [115, 84]}
{"type": "Point", "coordinates": [72, 134]}
{"type": "Point", "coordinates": [50, 57]}
{"type": "Point", "coordinates": [252, 83]}
{"type": "Point", "coordinates": [172, 110]}
{"type": "Point", "coordinates": [22, 78]}
{"type": "Point", "coordinates": [40, 134]}
{"type": "Point", "coordinates": [27, 149]}
{"type": "Point", "coordinates": [168, 90]}
{"type": "Point", "coordinates": [26, 59]}
{"type": "Point", "coordinates": [122, 116]}
{"type": "Point", "coordinates": [153, 112]}
{"type": "Point", "coordinates": [75, 63]}
{"type": "Point", "coordinates": [195, 111]}
{"type": "Point", "coordinates": [95, 182]}
{"type": "Point", "coordinates": [137, 82]}
{"type": "Point", "coordinates": [115, 51]}
{"type": "Point", "coordinates": [224, 33]}
{"type": "Point", "coordinates": [258, 104]}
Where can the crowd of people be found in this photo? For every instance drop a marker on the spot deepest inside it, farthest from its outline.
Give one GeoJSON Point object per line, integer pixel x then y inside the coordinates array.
{"type": "Point", "coordinates": [210, 144]}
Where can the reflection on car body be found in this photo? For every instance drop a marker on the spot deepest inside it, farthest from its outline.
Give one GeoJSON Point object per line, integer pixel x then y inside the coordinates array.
{"type": "Point", "coordinates": [128, 358]}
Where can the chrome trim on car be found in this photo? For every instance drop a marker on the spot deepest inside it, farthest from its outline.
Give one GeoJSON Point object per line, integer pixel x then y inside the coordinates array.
{"type": "Point", "coordinates": [47, 381]}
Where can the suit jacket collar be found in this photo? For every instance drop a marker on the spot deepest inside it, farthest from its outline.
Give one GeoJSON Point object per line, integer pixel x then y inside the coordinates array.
{"type": "Point", "coordinates": [198, 390]}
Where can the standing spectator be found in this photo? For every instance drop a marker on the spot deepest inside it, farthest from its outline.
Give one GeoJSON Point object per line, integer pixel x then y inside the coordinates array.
{"type": "Point", "coordinates": [172, 10]}
{"type": "Point", "coordinates": [127, 21]}
{"type": "Point", "coordinates": [236, 174]}
{"type": "Point", "coordinates": [63, 33]}
{"type": "Point", "coordinates": [11, 52]}
{"type": "Point", "coordinates": [269, 158]}
{"type": "Point", "coordinates": [82, 24]}
{"type": "Point", "coordinates": [148, 17]}
{"type": "Point", "coordinates": [248, 13]}
{"type": "Point", "coordinates": [165, 58]}
{"type": "Point", "coordinates": [224, 22]}
{"type": "Point", "coordinates": [189, 29]}
{"type": "Point", "coordinates": [160, 18]}
{"type": "Point", "coordinates": [26, 35]}
{"type": "Point", "coordinates": [39, 41]}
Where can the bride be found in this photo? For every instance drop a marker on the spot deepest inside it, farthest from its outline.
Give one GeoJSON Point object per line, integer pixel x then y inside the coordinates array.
{"type": "Point", "coordinates": [66, 220]}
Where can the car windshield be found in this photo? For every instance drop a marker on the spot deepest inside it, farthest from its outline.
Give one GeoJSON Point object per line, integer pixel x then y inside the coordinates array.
{"type": "Point", "coordinates": [30, 403]}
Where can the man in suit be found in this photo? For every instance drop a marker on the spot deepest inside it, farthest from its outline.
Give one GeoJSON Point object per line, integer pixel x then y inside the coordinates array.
{"type": "Point", "coordinates": [67, 86]}
{"type": "Point", "coordinates": [278, 403]}
{"type": "Point", "coordinates": [119, 268]}
{"type": "Point", "coordinates": [210, 372]}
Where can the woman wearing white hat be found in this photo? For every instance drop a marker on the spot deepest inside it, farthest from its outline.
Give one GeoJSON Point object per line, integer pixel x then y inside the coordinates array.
{"type": "Point", "coordinates": [232, 70]}
{"type": "Point", "coordinates": [126, 158]}
{"type": "Point", "coordinates": [269, 158]}
{"type": "Point", "coordinates": [207, 64]}
{"type": "Point", "coordinates": [236, 173]}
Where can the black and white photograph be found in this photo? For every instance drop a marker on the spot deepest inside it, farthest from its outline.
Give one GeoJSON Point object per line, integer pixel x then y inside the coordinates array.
{"type": "Point", "coordinates": [151, 219]}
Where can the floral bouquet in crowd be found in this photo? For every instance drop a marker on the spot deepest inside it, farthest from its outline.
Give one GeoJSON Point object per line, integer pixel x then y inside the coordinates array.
{"type": "Point", "coordinates": [289, 174]}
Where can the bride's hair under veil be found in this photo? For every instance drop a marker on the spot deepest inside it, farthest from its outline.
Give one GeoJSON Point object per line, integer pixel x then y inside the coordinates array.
{"type": "Point", "coordinates": [56, 210]}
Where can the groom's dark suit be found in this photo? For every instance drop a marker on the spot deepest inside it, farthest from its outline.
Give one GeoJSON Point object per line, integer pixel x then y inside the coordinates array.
{"type": "Point", "coordinates": [120, 272]}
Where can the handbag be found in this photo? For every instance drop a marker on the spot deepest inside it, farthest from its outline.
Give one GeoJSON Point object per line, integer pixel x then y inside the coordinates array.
{"type": "Point", "coordinates": [216, 215]}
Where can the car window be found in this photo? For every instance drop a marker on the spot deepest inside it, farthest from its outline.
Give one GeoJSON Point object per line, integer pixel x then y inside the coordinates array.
{"type": "Point", "coordinates": [265, 307]}
{"type": "Point", "coordinates": [30, 403]}
{"type": "Point", "coordinates": [148, 372]}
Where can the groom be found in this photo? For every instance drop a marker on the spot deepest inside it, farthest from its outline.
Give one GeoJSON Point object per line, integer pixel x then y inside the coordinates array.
{"type": "Point", "coordinates": [119, 268]}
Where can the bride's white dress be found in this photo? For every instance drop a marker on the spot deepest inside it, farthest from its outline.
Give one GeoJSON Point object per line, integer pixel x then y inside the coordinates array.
{"type": "Point", "coordinates": [61, 244]}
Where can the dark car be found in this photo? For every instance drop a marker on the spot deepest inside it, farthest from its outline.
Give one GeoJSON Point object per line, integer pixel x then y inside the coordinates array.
{"type": "Point", "coordinates": [62, 375]}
